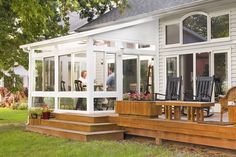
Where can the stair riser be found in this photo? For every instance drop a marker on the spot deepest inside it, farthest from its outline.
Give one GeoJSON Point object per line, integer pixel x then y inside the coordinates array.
{"type": "Point", "coordinates": [58, 134]}
{"type": "Point", "coordinates": [78, 127]}
{"type": "Point", "coordinates": [82, 118]}
{"type": "Point", "coordinates": [112, 136]}
{"type": "Point", "coordinates": [73, 136]}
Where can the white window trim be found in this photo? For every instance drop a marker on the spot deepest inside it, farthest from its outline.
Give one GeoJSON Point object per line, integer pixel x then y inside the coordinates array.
{"type": "Point", "coordinates": [165, 66]}
{"type": "Point", "coordinates": [181, 27]}
{"type": "Point", "coordinates": [165, 37]}
{"type": "Point", "coordinates": [209, 40]}
{"type": "Point", "coordinates": [229, 73]}
{"type": "Point", "coordinates": [221, 13]}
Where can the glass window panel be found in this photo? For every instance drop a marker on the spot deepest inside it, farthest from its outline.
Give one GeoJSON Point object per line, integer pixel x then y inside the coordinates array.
{"type": "Point", "coordinates": [49, 73]}
{"type": "Point", "coordinates": [104, 104]}
{"type": "Point", "coordinates": [202, 64]}
{"type": "Point", "coordinates": [73, 104]}
{"type": "Point", "coordinates": [64, 73]}
{"type": "Point", "coordinates": [221, 70]}
{"type": "Point", "coordinates": [172, 34]}
{"type": "Point", "coordinates": [171, 66]}
{"type": "Point", "coordinates": [38, 75]}
{"type": "Point", "coordinates": [220, 26]}
{"type": "Point", "coordinates": [111, 72]}
{"type": "Point", "coordinates": [146, 72]}
{"type": "Point", "coordinates": [129, 73]}
{"type": "Point", "coordinates": [42, 101]}
{"type": "Point", "coordinates": [99, 81]}
{"type": "Point", "coordinates": [195, 29]}
{"type": "Point", "coordinates": [80, 72]}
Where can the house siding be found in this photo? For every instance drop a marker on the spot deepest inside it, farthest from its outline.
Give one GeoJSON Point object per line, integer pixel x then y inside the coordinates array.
{"type": "Point", "coordinates": [227, 45]}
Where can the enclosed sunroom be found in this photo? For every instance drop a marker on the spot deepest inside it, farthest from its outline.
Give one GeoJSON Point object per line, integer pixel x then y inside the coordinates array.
{"type": "Point", "coordinates": [55, 67]}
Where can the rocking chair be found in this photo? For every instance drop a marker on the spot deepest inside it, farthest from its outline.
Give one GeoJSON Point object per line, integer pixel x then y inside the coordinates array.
{"type": "Point", "coordinates": [204, 91]}
{"type": "Point", "coordinates": [173, 89]}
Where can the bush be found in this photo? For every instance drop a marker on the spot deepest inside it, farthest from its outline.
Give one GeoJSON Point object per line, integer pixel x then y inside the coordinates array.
{"type": "Point", "coordinates": [23, 106]}
{"type": "Point", "coordinates": [14, 106]}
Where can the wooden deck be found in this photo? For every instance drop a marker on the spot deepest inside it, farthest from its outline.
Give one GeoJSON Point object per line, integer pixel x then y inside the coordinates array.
{"type": "Point", "coordinates": [113, 127]}
{"type": "Point", "coordinates": [210, 133]}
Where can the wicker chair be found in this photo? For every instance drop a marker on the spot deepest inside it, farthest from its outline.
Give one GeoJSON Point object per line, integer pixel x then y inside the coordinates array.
{"type": "Point", "coordinates": [223, 100]}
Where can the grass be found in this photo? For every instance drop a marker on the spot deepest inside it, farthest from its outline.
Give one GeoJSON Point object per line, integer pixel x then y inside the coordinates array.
{"type": "Point", "coordinates": [16, 142]}
{"type": "Point", "coordinates": [13, 116]}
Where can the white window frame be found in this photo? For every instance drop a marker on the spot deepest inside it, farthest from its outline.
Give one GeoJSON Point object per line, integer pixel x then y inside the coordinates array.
{"type": "Point", "coordinates": [209, 40]}
{"type": "Point", "coordinates": [228, 52]}
{"type": "Point", "coordinates": [164, 33]}
{"type": "Point", "coordinates": [165, 66]}
{"type": "Point", "coordinates": [216, 14]}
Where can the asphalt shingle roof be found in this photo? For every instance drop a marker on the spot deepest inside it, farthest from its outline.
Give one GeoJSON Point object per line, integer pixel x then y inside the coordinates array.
{"type": "Point", "coordinates": [137, 7]}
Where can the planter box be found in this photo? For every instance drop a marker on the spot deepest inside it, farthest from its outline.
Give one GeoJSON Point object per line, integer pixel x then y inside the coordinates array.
{"type": "Point", "coordinates": [34, 121]}
{"type": "Point", "coordinates": [138, 108]}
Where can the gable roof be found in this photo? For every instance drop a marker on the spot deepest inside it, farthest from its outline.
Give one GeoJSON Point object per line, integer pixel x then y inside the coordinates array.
{"type": "Point", "coordinates": [137, 7]}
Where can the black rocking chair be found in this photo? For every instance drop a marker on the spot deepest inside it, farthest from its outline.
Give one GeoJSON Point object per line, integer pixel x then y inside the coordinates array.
{"type": "Point", "coordinates": [63, 88]}
{"type": "Point", "coordinates": [204, 89]}
{"type": "Point", "coordinates": [173, 89]}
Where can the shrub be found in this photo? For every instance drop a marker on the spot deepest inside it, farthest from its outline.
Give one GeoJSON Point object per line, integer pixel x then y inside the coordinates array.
{"type": "Point", "coordinates": [14, 106]}
{"type": "Point", "coordinates": [23, 106]}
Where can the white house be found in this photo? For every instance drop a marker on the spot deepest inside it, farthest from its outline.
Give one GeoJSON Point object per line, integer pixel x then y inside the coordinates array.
{"type": "Point", "coordinates": [184, 38]}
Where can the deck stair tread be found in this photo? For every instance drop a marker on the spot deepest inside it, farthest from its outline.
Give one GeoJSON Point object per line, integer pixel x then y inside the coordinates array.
{"type": "Point", "coordinates": [84, 115]}
{"type": "Point", "coordinates": [82, 118]}
{"type": "Point", "coordinates": [79, 123]}
{"type": "Point", "coordinates": [77, 132]}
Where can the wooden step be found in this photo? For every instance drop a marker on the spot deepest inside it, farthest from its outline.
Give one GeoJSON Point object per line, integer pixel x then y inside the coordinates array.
{"type": "Point", "coordinates": [82, 118]}
{"type": "Point", "coordinates": [78, 135]}
{"type": "Point", "coordinates": [79, 126]}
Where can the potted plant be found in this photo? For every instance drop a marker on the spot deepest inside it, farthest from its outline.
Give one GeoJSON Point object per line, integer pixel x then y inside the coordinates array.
{"type": "Point", "coordinates": [46, 112]}
{"type": "Point", "coordinates": [35, 114]}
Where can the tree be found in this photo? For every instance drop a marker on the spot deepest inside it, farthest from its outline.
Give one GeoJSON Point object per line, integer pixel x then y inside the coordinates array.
{"type": "Point", "coordinates": [26, 21]}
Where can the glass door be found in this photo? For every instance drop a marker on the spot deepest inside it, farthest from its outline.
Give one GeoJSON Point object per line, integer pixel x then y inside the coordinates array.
{"type": "Point", "coordinates": [186, 71]}
{"type": "Point", "coordinates": [221, 70]}
{"type": "Point", "coordinates": [202, 64]}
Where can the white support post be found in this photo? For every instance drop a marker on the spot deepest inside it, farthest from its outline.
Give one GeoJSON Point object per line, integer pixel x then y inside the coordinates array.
{"type": "Point", "coordinates": [156, 82]}
{"type": "Point", "coordinates": [56, 86]}
{"type": "Point", "coordinates": [31, 77]}
{"type": "Point", "coordinates": [138, 75]}
{"type": "Point", "coordinates": [90, 77]}
{"type": "Point", "coordinates": [194, 73]}
{"type": "Point", "coordinates": [119, 75]}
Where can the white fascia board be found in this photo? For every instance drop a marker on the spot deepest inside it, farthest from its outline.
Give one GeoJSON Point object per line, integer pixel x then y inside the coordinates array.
{"type": "Point", "coordinates": [85, 34]}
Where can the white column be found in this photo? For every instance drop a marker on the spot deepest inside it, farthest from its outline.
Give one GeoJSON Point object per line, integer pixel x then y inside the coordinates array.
{"type": "Point", "coordinates": [194, 73]}
{"type": "Point", "coordinates": [56, 86]}
{"type": "Point", "coordinates": [90, 76]}
{"type": "Point", "coordinates": [119, 75]}
{"type": "Point", "coordinates": [138, 74]}
{"type": "Point", "coordinates": [31, 77]}
{"type": "Point", "coordinates": [156, 61]}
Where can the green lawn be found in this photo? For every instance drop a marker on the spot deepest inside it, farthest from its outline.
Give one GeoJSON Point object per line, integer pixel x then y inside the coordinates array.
{"type": "Point", "coordinates": [16, 142]}
{"type": "Point", "coordinates": [13, 116]}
